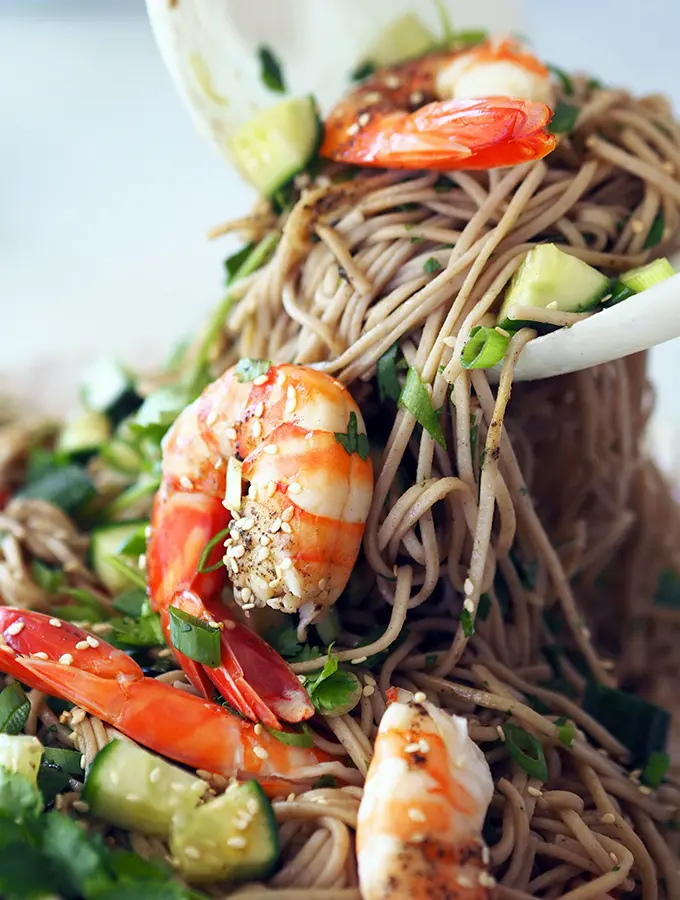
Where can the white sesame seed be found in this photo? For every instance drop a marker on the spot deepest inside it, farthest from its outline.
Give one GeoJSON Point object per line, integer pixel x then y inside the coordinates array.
{"type": "Point", "coordinates": [231, 434]}
{"type": "Point", "coordinates": [7, 649]}
{"type": "Point", "coordinates": [364, 119]}
{"type": "Point", "coordinates": [56, 623]}
{"type": "Point", "coordinates": [233, 565]}
{"type": "Point", "coordinates": [247, 523]}
{"type": "Point", "coordinates": [237, 552]}
{"type": "Point", "coordinates": [246, 594]}
{"type": "Point", "coordinates": [586, 633]}
{"type": "Point", "coordinates": [260, 752]}
{"type": "Point", "coordinates": [468, 587]}
{"type": "Point", "coordinates": [501, 733]}
{"type": "Point", "coordinates": [186, 482]}
{"type": "Point", "coordinates": [534, 791]}
{"type": "Point", "coordinates": [285, 527]}
{"type": "Point", "coordinates": [424, 746]}
{"type": "Point", "coordinates": [464, 881]}
{"type": "Point", "coordinates": [256, 428]}
{"type": "Point", "coordinates": [241, 824]}
{"type": "Point", "coordinates": [469, 605]}
{"type": "Point", "coordinates": [486, 856]}
{"type": "Point", "coordinates": [419, 697]}
{"type": "Point", "coordinates": [270, 490]}
{"type": "Point", "coordinates": [291, 400]}
{"type": "Point", "coordinates": [260, 380]}
{"type": "Point", "coordinates": [147, 532]}
{"type": "Point", "coordinates": [80, 806]}
{"type": "Point", "coordinates": [353, 129]}
{"type": "Point", "coordinates": [301, 679]}
{"type": "Point", "coordinates": [15, 628]}
{"type": "Point", "coordinates": [321, 584]}
{"type": "Point", "coordinates": [258, 728]}
{"type": "Point", "coordinates": [417, 97]}
{"type": "Point", "coordinates": [358, 660]}
{"type": "Point", "coordinates": [288, 513]}
{"type": "Point", "coordinates": [82, 645]}
{"type": "Point", "coordinates": [644, 789]}
{"type": "Point", "coordinates": [417, 837]}
{"type": "Point", "coordinates": [271, 449]}
{"type": "Point", "coordinates": [369, 679]}
{"type": "Point", "coordinates": [265, 540]}
{"type": "Point", "coordinates": [247, 606]}
{"type": "Point", "coordinates": [218, 463]}
{"type": "Point", "coordinates": [412, 748]}
{"type": "Point", "coordinates": [368, 690]}
{"type": "Point", "coordinates": [487, 880]}
{"type": "Point", "coordinates": [92, 641]}
{"type": "Point", "coordinates": [66, 659]}
{"type": "Point", "coordinates": [252, 805]}
{"type": "Point", "coordinates": [77, 716]}
{"type": "Point", "coordinates": [392, 82]}
{"type": "Point", "coordinates": [275, 526]}
{"type": "Point", "coordinates": [294, 488]}
{"type": "Point", "coordinates": [259, 409]}
{"type": "Point", "coordinates": [211, 418]}
{"type": "Point", "coordinates": [416, 815]}
{"type": "Point", "coordinates": [608, 819]}
{"type": "Point", "coordinates": [192, 853]}
{"type": "Point", "coordinates": [154, 775]}
{"type": "Point", "coordinates": [287, 563]}
{"type": "Point", "coordinates": [239, 843]}
{"type": "Point", "coordinates": [141, 561]}
{"type": "Point", "coordinates": [40, 655]}
{"type": "Point", "coordinates": [262, 554]}
{"type": "Point", "coordinates": [178, 787]}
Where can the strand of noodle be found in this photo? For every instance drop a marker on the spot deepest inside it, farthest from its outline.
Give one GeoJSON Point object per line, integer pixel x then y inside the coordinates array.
{"type": "Point", "coordinates": [658, 849]}
{"type": "Point", "coordinates": [559, 875]}
{"type": "Point", "coordinates": [521, 830]}
{"type": "Point", "coordinates": [487, 498]}
{"type": "Point", "coordinates": [548, 316]}
{"type": "Point", "coordinates": [655, 176]}
{"type": "Point", "coordinates": [613, 879]}
{"type": "Point", "coordinates": [397, 619]}
{"type": "Point", "coordinates": [395, 659]}
{"type": "Point", "coordinates": [356, 747]}
{"type": "Point", "coordinates": [586, 838]}
{"type": "Point", "coordinates": [303, 868]}
{"type": "Point", "coordinates": [306, 320]}
{"type": "Point", "coordinates": [307, 810]}
{"type": "Point", "coordinates": [37, 700]}
{"type": "Point", "coordinates": [256, 893]}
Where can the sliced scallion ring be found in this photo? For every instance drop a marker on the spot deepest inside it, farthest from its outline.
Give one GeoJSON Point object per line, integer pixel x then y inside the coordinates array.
{"type": "Point", "coordinates": [485, 348]}
{"type": "Point", "coordinates": [526, 751]}
{"type": "Point", "coordinates": [194, 638]}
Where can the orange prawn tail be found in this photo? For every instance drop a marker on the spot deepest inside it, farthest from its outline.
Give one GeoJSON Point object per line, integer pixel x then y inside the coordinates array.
{"type": "Point", "coordinates": [57, 657]}
{"type": "Point", "coordinates": [485, 133]}
{"type": "Point", "coordinates": [252, 677]}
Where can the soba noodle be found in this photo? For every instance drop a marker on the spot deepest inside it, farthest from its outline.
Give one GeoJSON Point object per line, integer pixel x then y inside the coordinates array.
{"type": "Point", "coordinates": [543, 507]}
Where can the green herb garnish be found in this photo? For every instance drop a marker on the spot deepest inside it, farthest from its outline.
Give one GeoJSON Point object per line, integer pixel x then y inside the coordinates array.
{"type": "Point", "coordinates": [293, 738]}
{"type": "Point", "coordinates": [432, 265]}
{"type": "Point", "coordinates": [195, 638]}
{"type": "Point", "coordinates": [640, 726]}
{"type": "Point", "coordinates": [14, 709]}
{"type": "Point", "coordinates": [363, 70]}
{"type": "Point", "coordinates": [249, 369]}
{"type": "Point", "coordinates": [526, 751]}
{"type": "Point", "coordinates": [353, 442]}
{"type": "Point", "coordinates": [565, 731]}
{"type": "Point", "coordinates": [386, 370]}
{"type": "Point", "coordinates": [655, 770]}
{"type": "Point", "coordinates": [214, 541]}
{"type": "Point", "coordinates": [563, 78]}
{"type": "Point", "coordinates": [270, 70]}
{"type": "Point", "coordinates": [331, 688]}
{"type": "Point", "coordinates": [564, 118]}
{"type": "Point", "coordinates": [467, 623]}
{"type": "Point", "coordinates": [416, 399]}
{"type": "Point", "coordinates": [655, 233]}
{"type": "Point", "coordinates": [484, 348]}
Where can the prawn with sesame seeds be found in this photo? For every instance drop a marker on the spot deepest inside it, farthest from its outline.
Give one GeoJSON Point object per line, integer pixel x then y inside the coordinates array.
{"type": "Point", "coordinates": [276, 465]}
{"type": "Point", "coordinates": [427, 792]}
{"type": "Point", "coordinates": [480, 108]}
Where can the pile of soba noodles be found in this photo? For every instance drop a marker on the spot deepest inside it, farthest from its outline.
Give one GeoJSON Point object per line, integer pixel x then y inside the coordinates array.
{"type": "Point", "coordinates": [503, 574]}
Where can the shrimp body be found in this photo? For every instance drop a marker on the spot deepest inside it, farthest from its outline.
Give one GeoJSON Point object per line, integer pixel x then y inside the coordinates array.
{"type": "Point", "coordinates": [63, 661]}
{"type": "Point", "coordinates": [420, 820]}
{"type": "Point", "coordinates": [475, 109]}
{"type": "Point", "coordinates": [261, 456]}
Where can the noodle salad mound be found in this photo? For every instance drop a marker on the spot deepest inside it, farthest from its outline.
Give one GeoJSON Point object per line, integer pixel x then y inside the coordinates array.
{"type": "Point", "coordinates": [319, 610]}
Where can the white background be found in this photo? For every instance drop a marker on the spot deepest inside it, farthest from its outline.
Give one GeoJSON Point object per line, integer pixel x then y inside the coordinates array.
{"type": "Point", "coordinates": [106, 191]}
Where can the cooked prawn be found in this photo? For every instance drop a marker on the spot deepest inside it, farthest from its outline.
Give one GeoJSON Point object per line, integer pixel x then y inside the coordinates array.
{"type": "Point", "coordinates": [420, 820]}
{"type": "Point", "coordinates": [64, 661]}
{"type": "Point", "coordinates": [476, 109]}
{"type": "Point", "coordinates": [265, 455]}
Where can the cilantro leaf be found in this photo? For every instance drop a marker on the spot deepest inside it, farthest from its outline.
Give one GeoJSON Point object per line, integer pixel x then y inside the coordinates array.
{"type": "Point", "coordinates": [19, 799]}
{"type": "Point", "coordinates": [249, 369]}
{"type": "Point", "coordinates": [234, 262]}
{"type": "Point", "coordinates": [386, 370]}
{"type": "Point", "coordinates": [14, 709]}
{"type": "Point", "coordinates": [47, 577]}
{"type": "Point", "coordinates": [563, 78]}
{"type": "Point", "coordinates": [283, 640]}
{"type": "Point", "coordinates": [416, 399]}
{"type": "Point", "coordinates": [352, 441]}
{"type": "Point", "coordinates": [332, 689]}
{"type": "Point", "coordinates": [130, 602]}
{"type": "Point", "coordinates": [78, 859]}
{"type": "Point", "coordinates": [145, 631]}
{"type": "Point", "coordinates": [308, 652]}
{"type": "Point", "coordinates": [467, 622]}
{"type": "Point", "coordinates": [270, 70]}
{"type": "Point", "coordinates": [565, 731]}
{"type": "Point", "coordinates": [88, 608]}
{"type": "Point", "coordinates": [564, 118]}
{"type": "Point", "coordinates": [363, 70]}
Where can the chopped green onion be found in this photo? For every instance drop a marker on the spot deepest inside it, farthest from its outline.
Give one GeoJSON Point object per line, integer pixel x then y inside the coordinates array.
{"type": "Point", "coordinates": [564, 79]}
{"type": "Point", "coordinates": [131, 573]}
{"type": "Point", "coordinates": [136, 543]}
{"type": "Point", "coordinates": [564, 118]}
{"type": "Point", "coordinates": [565, 731]}
{"type": "Point", "coordinates": [233, 263]}
{"type": "Point", "coordinates": [619, 292]}
{"type": "Point", "coordinates": [249, 369]}
{"type": "Point", "coordinates": [432, 265]}
{"type": "Point", "coordinates": [68, 488]}
{"type": "Point", "coordinates": [352, 441]}
{"type": "Point", "coordinates": [68, 760]}
{"type": "Point", "coordinates": [655, 770]}
{"type": "Point", "coordinates": [656, 231]}
{"type": "Point", "coordinates": [667, 590]}
{"type": "Point", "coordinates": [484, 348]}
{"type": "Point", "coordinates": [467, 623]}
{"type": "Point", "coordinates": [195, 638]}
{"type": "Point", "coordinates": [640, 726]}
{"type": "Point", "coordinates": [526, 751]}
{"type": "Point", "coordinates": [645, 277]}
{"type": "Point", "coordinates": [293, 738]}
{"type": "Point", "coordinates": [202, 566]}
{"type": "Point", "coordinates": [14, 709]}
{"type": "Point", "coordinates": [270, 70]}
{"type": "Point", "coordinates": [416, 399]}
{"type": "Point", "coordinates": [388, 383]}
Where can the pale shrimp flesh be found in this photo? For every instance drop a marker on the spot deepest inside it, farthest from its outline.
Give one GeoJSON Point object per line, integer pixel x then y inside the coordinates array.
{"type": "Point", "coordinates": [276, 458]}
{"type": "Point", "coordinates": [426, 795]}
{"type": "Point", "coordinates": [64, 661]}
{"type": "Point", "coordinates": [481, 108]}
